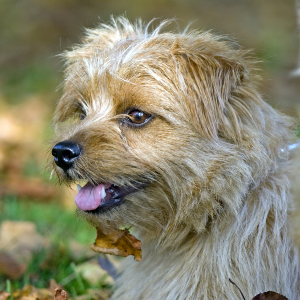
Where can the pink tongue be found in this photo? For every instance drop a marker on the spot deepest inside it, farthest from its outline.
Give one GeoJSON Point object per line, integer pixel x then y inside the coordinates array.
{"type": "Point", "coordinates": [89, 196]}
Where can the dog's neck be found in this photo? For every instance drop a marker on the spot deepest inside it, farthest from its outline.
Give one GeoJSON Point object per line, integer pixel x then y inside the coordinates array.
{"type": "Point", "coordinates": [259, 239]}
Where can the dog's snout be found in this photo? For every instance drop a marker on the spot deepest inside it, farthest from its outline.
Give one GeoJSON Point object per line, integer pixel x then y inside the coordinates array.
{"type": "Point", "coordinates": [65, 153]}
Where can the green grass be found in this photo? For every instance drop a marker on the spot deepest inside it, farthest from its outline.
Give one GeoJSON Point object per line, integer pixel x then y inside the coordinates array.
{"type": "Point", "coordinates": [56, 262]}
{"type": "Point", "coordinates": [51, 219]}
{"type": "Point", "coordinates": [30, 79]}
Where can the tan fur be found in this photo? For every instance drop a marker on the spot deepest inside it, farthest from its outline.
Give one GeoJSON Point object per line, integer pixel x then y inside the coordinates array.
{"type": "Point", "coordinates": [217, 204]}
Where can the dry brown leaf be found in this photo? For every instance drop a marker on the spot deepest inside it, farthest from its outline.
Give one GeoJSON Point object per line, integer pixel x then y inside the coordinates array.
{"type": "Point", "coordinates": [29, 292]}
{"type": "Point", "coordinates": [269, 296]}
{"type": "Point", "coordinates": [10, 267]}
{"type": "Point", "coordinates": [4, 295]}
{"type": "Point", "coordinates": [91, 272]}
{"type": "Point", "coordinates": [21, 240]}
{"type": "Point", "coordinates": [32, 188]}
{"type": "Point", "coordinates": [92, 294]}
{"type": "Point", "coordinates": [80, 251]}
{"type": "Point", "coordinates": [117, 242]}
{"type": "Point", "coordinates": [60, 294]}
{"type": "Point", "coordinates": [262, 296]}
{"type": "Point", "coordinates": [53, 286]}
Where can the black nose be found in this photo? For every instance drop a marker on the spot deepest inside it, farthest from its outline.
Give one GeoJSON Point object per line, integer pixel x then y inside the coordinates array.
{"type": "Point", "coordinates": [65, 153]}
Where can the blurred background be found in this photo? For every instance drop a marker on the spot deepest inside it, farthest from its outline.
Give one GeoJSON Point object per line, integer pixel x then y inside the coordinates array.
{"type": "Point", "coordinates": [37, 214]}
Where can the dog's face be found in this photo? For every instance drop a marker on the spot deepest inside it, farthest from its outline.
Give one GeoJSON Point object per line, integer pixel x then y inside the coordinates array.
{"type": "Point", "coordinates": [153, 123]}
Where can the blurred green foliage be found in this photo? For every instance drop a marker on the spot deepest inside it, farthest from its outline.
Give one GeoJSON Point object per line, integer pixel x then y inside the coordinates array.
{"type": "Point", "coordinates": [30, 79]}
{"type": "Point", "coordinates": [34, 32]}
{"type": "Point", "coordinates": [60, 227]}
{"type": "Point", "coordinates": [55, 263]}
{"type": "Point", "coordinates": [52, 220]}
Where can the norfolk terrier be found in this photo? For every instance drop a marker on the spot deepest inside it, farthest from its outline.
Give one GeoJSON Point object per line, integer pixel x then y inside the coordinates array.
{"type": "Point", "coordinates": [172, 138]}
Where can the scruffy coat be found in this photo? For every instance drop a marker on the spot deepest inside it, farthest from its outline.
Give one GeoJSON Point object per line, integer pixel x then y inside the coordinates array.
{"type": "Point", "coordinates": [215, 157]}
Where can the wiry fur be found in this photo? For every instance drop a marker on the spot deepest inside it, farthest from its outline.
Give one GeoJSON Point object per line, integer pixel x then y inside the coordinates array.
{"type": "Point", "coordinates": [217, 204]}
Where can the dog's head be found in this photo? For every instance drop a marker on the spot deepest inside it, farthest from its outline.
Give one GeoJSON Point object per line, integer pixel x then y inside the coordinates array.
{"type": "Point", "coordinates": [167, 129]}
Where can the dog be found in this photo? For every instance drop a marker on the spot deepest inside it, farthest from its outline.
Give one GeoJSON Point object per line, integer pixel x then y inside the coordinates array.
{"type": "Point", "coordinates": [173, 139]}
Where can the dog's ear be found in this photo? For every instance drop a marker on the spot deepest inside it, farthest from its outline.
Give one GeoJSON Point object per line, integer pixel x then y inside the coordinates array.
{"type": "Point", "coordinates": [216, 81]}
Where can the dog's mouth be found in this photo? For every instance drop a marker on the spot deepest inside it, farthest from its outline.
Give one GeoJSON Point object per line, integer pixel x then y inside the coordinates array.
{"type": "Point", "coordinates": [102, 197]}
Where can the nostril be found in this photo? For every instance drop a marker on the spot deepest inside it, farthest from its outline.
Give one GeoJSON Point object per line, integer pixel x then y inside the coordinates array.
{"type": "Point", "coordinates": [54, 152]}
{"type": "Point", "coordinates": [65, 153]}
{"type": "Point", "coordinates": [70, 153]}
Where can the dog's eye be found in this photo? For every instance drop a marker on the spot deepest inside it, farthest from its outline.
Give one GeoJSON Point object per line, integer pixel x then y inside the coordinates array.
{"type": "Point", "coordinates": [138, 117]}
{"type": "Point", "coordinates": [81, 111]}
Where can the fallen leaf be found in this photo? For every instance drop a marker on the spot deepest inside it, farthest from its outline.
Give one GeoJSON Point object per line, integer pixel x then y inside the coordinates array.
{"type": "Point", "coordinates": [21, 240]}
{"type": "Point", "coordinates": [269, 296]}
{"type": "Point", "coordinates": [12, 231]}
{"type": "Point", "coordinates": [60, 294]}
{"type": "Point", "coordinates": [53, 286]}
{"type": "Point", "coordinates": [93, 294]}
{"type": "Point", "coordinates": [29, 292]}
{"type": "Point", "coordinates": [92, 272]}
{"type": "Point", "coordinates": [32, 188]}
{"type": "Point", "coordinates": [80, 251]}
{"type": "Point", "coordinates": [10, 267]}
{"type": "Point", "coordinates": [262, 296]}
{"type": "Point", "coordinates": [4, 295]}
{"type": "Point", "coordinates": [117, 242]}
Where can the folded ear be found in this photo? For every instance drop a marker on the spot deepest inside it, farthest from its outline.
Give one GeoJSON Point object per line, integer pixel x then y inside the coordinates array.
{"type": "Point", "coordinates": [215, 80]}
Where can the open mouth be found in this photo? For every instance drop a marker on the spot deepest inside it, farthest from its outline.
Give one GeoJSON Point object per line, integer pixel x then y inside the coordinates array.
{"type": "Point", "coordinates": [102, 197]}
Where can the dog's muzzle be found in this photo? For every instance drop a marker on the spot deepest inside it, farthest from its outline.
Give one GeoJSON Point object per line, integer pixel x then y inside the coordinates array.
{"type": "Point", "coordinates": [65, 153]}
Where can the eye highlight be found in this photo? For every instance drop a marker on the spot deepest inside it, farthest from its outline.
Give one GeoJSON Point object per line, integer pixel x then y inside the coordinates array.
{"type": "Point", "coordinates": [137, 118]}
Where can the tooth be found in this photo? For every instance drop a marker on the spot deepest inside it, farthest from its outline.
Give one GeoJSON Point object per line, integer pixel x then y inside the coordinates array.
{"type": "Point", "coordinates": [78, 187]}
{"type": "Point", "coordinates": [103, 194]}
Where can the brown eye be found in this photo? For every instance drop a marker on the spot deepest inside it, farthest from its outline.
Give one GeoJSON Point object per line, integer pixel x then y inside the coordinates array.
{"type": "Point", "coordinates": [138, 117]}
